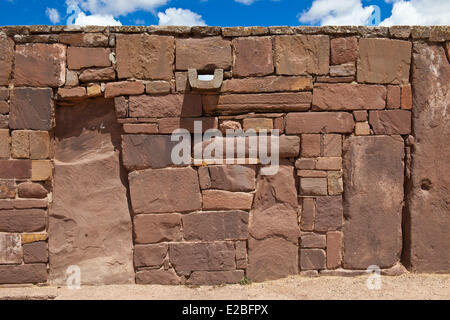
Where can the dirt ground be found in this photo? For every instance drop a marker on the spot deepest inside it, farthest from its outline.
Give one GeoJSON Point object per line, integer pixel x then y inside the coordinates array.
{"type": "Point", "coordinates": [407, 286]}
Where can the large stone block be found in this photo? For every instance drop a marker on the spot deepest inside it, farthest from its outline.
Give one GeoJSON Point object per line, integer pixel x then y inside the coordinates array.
{"type": "Point", "coordinates": [232, 178]}
{"type": "Point", "coordinates": [89, 222]}
{"type": "Point", "coordinates": [6, 58]}
{"type": "Point", "coordinates": [203, 54]}
{"type": "Point", "coordinates": [15, 169]}
{"type": "Point", "coordinates": [144, 57]}
{"type": "Point", "coordinates": [390, 121]}
{"type": "Point", "coordinates": [252, 57]}
{"type": "Point", "coordinates": [40, 65]}
{"type": "Point", "coordinates": [151, 255]}
{"type": "Point", "coordinates": [303, 54]}
{"type": "Point", "coordinates": [384, 61]}
{"type": "Point", "coordinates": [348, 97]}
{"type": "Point", "coordinates": [176, 105]}
{"type": "Point", "coordinates": [78, 57]}
{"type": "Point", "coordinates": [31, 109]}
{"type": "Point", "coordinates": [176, 190]}
{"type": "Point", "coordinates": [428, 219]}
{"type": "Point", "coordinates": [344, 50]}
{"type": "Point", "coordinates": [373, 202]}
{"type": "Point", "coordinates": [154, 228]}
{"type": "Point", "coordinates": [319, 122]}
{"type": "Point", "coordinates": [26, 273]}
{"type": "Point", "coordinates": [28, 220]}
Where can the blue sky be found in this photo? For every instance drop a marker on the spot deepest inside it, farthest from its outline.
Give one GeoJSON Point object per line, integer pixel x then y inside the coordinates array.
{"type": "Point", "coordinates": [226, 12]}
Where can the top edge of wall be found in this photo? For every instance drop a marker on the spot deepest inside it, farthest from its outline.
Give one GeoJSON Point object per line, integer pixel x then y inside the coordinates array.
{"type": "Point", "coordinates": [432, 33]}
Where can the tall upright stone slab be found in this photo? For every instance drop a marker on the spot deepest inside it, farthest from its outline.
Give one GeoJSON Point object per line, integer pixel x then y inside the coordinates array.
{"type": "Point", "coordinates": [89, 224]}
{"type": "Point", "coordinates": [373, 201]}
{"type": "Point", "coordinates": [428, 218]}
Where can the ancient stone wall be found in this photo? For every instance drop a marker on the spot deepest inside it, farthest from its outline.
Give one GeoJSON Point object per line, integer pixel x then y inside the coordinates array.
{"type": "Point", "coordinates": [87, 178]}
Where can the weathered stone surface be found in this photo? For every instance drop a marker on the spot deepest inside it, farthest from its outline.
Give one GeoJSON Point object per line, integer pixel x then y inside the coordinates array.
{"type": "Point", "coordinates": [20, 144]}
{"type": "Point", "coordinates": [239, 103]}
{"type": "Point", "coordinates": [151, 255]}
{"type": "Point", "coordinates": [7, 189]}
{"type": "Point", "coordinates": [257, 124]}
{"type": "Point", "coordinates": [313, 187]}
{"type": "Point", "coordinates": [10, 248]}
{"type": "Point", "coordinates": [344, 50]}
{"type": "Point", "coordinates": [212, 226]}
{"type": "Point", "coordinates": [303, 54]}
{"type": "Point", "coordinates": [22, 220]}
{"type": "Point", "coordinates": [329, 213]}
{"type": "Point", "coordinates": [71, 78]}
{"type": "Point", "coordinates": [79, 57]}
{"type": "Point", "coordinates": [5, 144]}
{"type": "Point", "coordinates": [362, 129]}
{"type": "Point", "coordinates": [114, 89]}
{"type": "Point", "coordinates": [140, 128]}
{"type": "Point", "coordinates": [232, 178]}
{"type": "Point", "coordinates": [252, 57]}
{"type": "Point", "coordinates": [35, 252]}
{"type": "Point", "coordinates": [310, 145]}
{"type": "Point", "coordinates": [215, 277]}
{"type": "Point", "coordinates": [313, 240]}
{"type": "Point", "coordinates": [329, 163]}
{"type": "Point", "coordinates": [6, 58]}
{"type": "Point", "coordinates": [267, 84]}
{"type": "Point", "coordinates": [348, 97]}
{"type": "Point", "coordinates": [40, 65]}
{"type": "Point", "coordinates": [428, 219]}
{"type": "Point", "coordinates": [175, 105]}
{"type": "Point", "coordinates": [71, 94]}
{"type": "Point", "coordinates": [144, 57]}
{"type": "Point", "coordinates": [273, 227]}
{"type": "Point", "coordinates": [319, 122]}
{"type": "Point", "coordinates": [308, 213]}
{"type": "Point", "coordinates": [15, 169]}
{"type": "Point", "coordinates": [406, 97]}
{"type": "Point", "coordinates": [343, 70]}
{"type": "Point", "coordinates": [158, 276]}
{"type": "Point", "coordinates": [84, 39]}
{"type": "Point", "coordinates": [373, 173]}
{"type": "Point", "coordinates": [335, 183]}
{"type": "Point", "coordinates": [334, 249]}
{"type": "Point", "coordinates": [32, 190]}
{"type": "Point", "coordinates": [177, 191]}
{"type": "Point", "coordinates": [39, 145]}
{"type": "Point", "coordinates": [390, 121]}
{"type": "Point", "coordinates": [41, 170]}
{"type": "Point", "coordinates": [332, 145]}
{"type": "Point", "coordinates": [27, 273]}
{"type": "Point", "coordinates": [31, 109]}
{"type": "Point", "coordinates": [94, 75]}
{"type": "Point", "coordinates": [226, 200]}
{"type": "Point", "coordinates": [213, 256]}
{"type": "Point", "coordinates": [392, 68]}
{"type": "Point", "coordinates": [393, 97]}
{"type": "Point", "coordinates": [361, 115]}
{"type": "Point", "coordinates": [289, 146]}
{"type": "Point", "coordinates": [157, 87]}
{"type": "Point", "coordinates": [146, 151]}
{"type": "Point", "coordinates": [203, 54]}
{"type": "Point", "coordinates": [93, 232]}
{"type": "Point", "coordinates": [312, 259]}
{"type": "Point", "coordinates": [154, 228]}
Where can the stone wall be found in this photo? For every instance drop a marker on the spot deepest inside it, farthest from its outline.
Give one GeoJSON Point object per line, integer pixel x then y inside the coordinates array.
{"type": "Point", "coordinates": [86, 176]}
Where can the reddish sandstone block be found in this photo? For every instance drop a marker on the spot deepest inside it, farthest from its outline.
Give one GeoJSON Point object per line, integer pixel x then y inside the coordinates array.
{"type": "Point", "coordinates": [203, 54]}
{"type": "Point", "coordinates": [174, 105]}
{"type": "Point", "coordinates": [329, 163]}
{"type": "Point", "coordinates": [121, 106]}
{"type": "Point", "coordinates": [319, 122]}
{"type": "Point", "coordinates": [6, 58]}
{"type": "Point", "coordinates": [215, 277]}
{"type": "Point", "coordinates": [157, 87]}
{"type": "Point", "coordinates": [305, 163]}
{"type": "Point", "coordinates": [220, 199]}
{"type": "Point", "coordinates": [232, 178]}
{"type": "Point", "coordinates": [313, 186]}
{"type": "Point", "coordinates": [213, 226]}
{"type": "Point", "coordinates": [329, 213]}
{"type": "Point", "coordinates": [41, 170]}
{"type": "Point", "coordinates": [154, 228]}
{"type": "Point", "coordinates": [84, 39]}
{"type": "Point", "coordinates": [344, 50]}
{"type": "Point", "coordinates": [393, 97]}
{"type": "Point", "coordinates": [406, 100]}
{"type": "Point", "coordinates": [334, 249]}
{"type": "Point", "coordinates": [348, 97]}
{"type": "Point", "coordinates": [124, 88]}
{"type": "Point", "coordinates": [15, 169]}
{"type": "Point", "coordinates": [169, 125]}
{"type": "Point", "coordinates": [252, 57]}
{"type": "Point", "coordinates": [384, 61]}
{"type": "Point", "coordinates": [77, 93]}
{"type": "Point", "coordinates": [362, 129]}
{"type": "Point", "coordinates": [79, 57]}
{"type": "Point", "coordinates": [289, 146]}
{"type": "Point", "coordinates": [96, 75]}
{"type": "Point", "coordinates": [312, 55]}
{"type": "Point", "coordinates": [267, 84]}
{"type": "Point", "coordinates": [390, 122]}
{"type": "Point", "coordinates": [158, 276]}
{"type": "Point", "coordinates": [29, 220]}
{"type": "Point", "coordinates": [28, 273]}
{"type": "Point", "coordinates": [39, 145]}
{"type": "Point", "coordinates": [312, 173]}
{"type": "Point", "coordinates": [312, 259]}
{"type": "Point", "coordinates": [332, 145]}
{"type": "Point", "coordinates": [144, 128]}
{"type": "Point", "coordinates": [7, 189]}
{"type": "Point", "coordinates": [308, 214]}
{"type": "Point", "coordinates": [343, 70]}
{"type": "Point", "coordinates": [257, 124]}
{"type": "Point", "coordinates": [31, 109]}
{"type": "Point", "coordinates": [32, 190]}
{"type": "Point", "coordinates": [35, 252]}
{"type": "Point", "coordinates": [4, 107]}
{"type": "Point", "coordinates": [313, 240]}
{"type": "Point", "coordinates": [152, 255]}
{"type": "Point", "coordinates": [310, 145]}
{"type": "Point", "coordinates": [40, 65]}
{"type": "Point", "coordinates": [361, 115]}
{"type": "Point", "coordinates": [5, 144]}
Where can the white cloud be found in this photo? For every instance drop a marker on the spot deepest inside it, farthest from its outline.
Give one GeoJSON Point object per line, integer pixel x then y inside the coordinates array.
{"type": "Point", "coordinates": [180, 17]}
{"type": "Point", "coordinates": [419, 12]}
{"type": "Point", "coordinates": [247, 2]}
{"type": "Point", "coordinates": [332, 12]}
{"type": "Point", "coordinates": [117, 7]}
{"type": "Point", "coordinates": [53, 15]}
{"type": "Point", "coordinates": [96, 20]}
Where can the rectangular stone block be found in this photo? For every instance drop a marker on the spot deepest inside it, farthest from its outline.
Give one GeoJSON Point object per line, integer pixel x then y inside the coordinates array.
{"type": "Point", "coordinates": [213, 226]}
{"type": "Point", "coordinates": [390, 122]}
{"type": "Point", "coordinates": [15, 169]}
{"type": "Point", "coordinates": [31, 109]}
{"type": "Point", "coordinates": [5, 144]}
{"type": "Point", "coordinates": [27, 273]}
{"type": "Point", "coordinates": [312, 55]}
{"type": "Point", "coordinates": [79, 57]}
{"type": "Point", "coordinates": [334, 249]}
{"type": "Point", "coordinates": [308, 214]}
{"type": "Point", "coordinates": [329, 213]}
{"type": "Point", "coordinates": [20, 144]}
{"type": "Point", "coordinates": [313, 240]}
{"type": "Point", "coordinates": [41, 170]}
{"type": "Point", "coordinates": [7, 189]}
{"type": "Point", "coordinates": [310, 145]}
{"type": "Point", "coordinates": [157, 87]}
{"type": "Point", "coordinates": [6, 58]}
{"type": "Point", "coordinates": [344, 50]}
{"type": "Point", "coordinates": [313, 186]}
{"type": "Point", "coordinates": [142, 56]}
{"type": "Point", "coordinates": [35, 252]}
{"type": "Point", "coordinates": [140, 128]}
{"type": "Point", "coordinates": [393, 97]}
{"type": "Point", "coordinates": [152, 255]}
{"type": "Point", "coordinates": [319, 122]}
{"type": "Point", "coordinates": [215, 277]}
{"type": "Point", "coordinates": [252, 57]}
{"type": "Point", "coordinates": [124, 88]}
{"type": "Point", "coordinates": [257, 124]}
{"type": "Point", "coordinates": [18, 221]}
{"type": "Point", "coordinates": [39, 145]}
{"type": "Point", "coordinates": [225, 200]}
{"type": "Point", "coordinates": [154, 228]}
{"type": "Point", "coordinates": [232, 178]}
{"type": "Point", "coordinates": [96, 75]}
{"type": "Point", "coordinates": [203, 54]}
{"type": "Point", "coordinates": [312, 259]}
{"type": "Point", "coordinates": [406, 97]}
{"type": "Point", "coordinates": [158, 276]}
{"type": "Point", "coordinates": [178, 190]}
{"type": "Point", "coordinates": [176, 105]}
{"type": "Point", "coordinates": [332, 145]}
{"type": "Point", "coordinates": [267, 84]}
{"type": "Point", "coordinates": [329, 163]}
{"type": "Point", "coordinates": [10, 248]}
{"type": "Point", "coordinates": [348, 97]}
{"type": "Point", "coordinates": [343, 70]}
{"type": "Point", "coordinates": [335, 183]}
{"type": "Point", "coordinates": [169, 125]}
